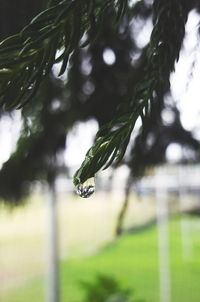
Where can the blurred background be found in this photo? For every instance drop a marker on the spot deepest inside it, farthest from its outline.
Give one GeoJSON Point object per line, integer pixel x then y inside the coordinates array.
{"type": "Point", "coordinates": [137, 237]}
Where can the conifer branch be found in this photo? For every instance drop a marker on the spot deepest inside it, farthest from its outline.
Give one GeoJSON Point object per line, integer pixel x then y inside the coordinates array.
{"type": "Point", "coordinates": [26, 58]}
{"type": "Point", "coordinates": [166, 39]}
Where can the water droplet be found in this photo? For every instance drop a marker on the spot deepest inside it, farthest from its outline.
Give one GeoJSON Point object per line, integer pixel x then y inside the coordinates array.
{"type": "Point", "coordinates": [86, 189]}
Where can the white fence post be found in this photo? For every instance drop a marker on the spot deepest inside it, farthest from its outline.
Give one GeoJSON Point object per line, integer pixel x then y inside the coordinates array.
{"type": "Point", "coordinates": [163, 238]}
{"type": "Point", "coordinates": [185, 221]}
{"type": "Point", "coordinates": [52, 294]}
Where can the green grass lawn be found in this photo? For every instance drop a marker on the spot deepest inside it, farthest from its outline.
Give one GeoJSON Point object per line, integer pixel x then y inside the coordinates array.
{"type": "Point", "coordinates": [133, 260]}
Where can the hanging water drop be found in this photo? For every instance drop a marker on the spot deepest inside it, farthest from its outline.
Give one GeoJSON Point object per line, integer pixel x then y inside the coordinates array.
{"type": "Point", "coordinates": [86, 189]}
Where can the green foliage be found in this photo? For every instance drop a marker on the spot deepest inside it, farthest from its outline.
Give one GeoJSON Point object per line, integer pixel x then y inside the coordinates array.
{"type": "Point", "coordinates": [106, 289]}
{"type": "Point", "coordinates": [111, 143]}
{"type": "Point", "coordinates": [45, 126]}
{"type": "Point", "coordinates": [27, 57]}
{"type": "Point", "coordinates": [162, 52]}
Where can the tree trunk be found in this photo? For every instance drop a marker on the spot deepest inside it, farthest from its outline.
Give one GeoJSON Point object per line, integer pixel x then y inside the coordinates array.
{"type": "Point", "coordinates": [122, 213]}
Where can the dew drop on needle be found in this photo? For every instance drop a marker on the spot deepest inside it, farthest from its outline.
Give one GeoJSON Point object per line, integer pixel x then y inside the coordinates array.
{"type": "Point", "coordinates": [86, 189]}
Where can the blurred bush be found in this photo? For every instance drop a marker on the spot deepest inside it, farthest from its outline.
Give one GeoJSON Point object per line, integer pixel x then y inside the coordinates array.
{"type": "Point", "coordinates": [107, 289]}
